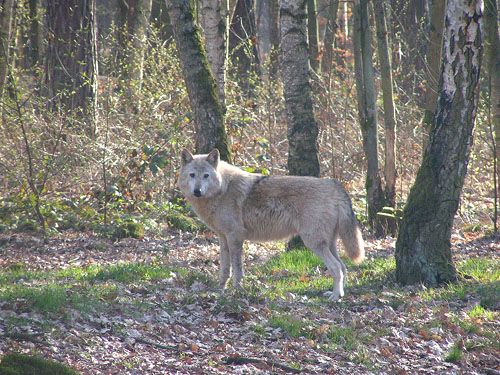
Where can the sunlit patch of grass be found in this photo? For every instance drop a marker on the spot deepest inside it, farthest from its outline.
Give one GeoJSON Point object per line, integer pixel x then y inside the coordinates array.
{"type": "Point", "coordinates": [128, 272]}
{"type": "Point", "coordinates": [46, 298]}
{"type": "Point", "coordinates": [345, 337]}
{"type": "Point", "coordinates": [372, 272]}
{"type": "Point", "coordinates": [292, 326]}
{"type": "Point", "coordinates": [296, 261]}
{"type": "Point", "coordinates": [481, 269]}
{"type": "Point", "coordinates": [479, 312]}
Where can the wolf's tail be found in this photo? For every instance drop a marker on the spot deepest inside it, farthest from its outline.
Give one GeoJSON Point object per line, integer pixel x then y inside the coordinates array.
{"type": "Point", "coordinates": [351, 236]}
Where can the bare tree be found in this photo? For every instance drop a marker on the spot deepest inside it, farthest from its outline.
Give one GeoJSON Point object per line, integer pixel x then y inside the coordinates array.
{"type": "Point", "coordinates": [423, 246]}
{"type": "Point", "coordinates": [302, 126]}
{"type": "Point", "coordinates": [389, 111]}
{"type": "Point", "coordinates": [200, 83]}
{"type": "Point", "coordinates": [71, 59]}
{"type": "Point", "coordinates": [214, 14]}
{"type": "Point", "coordinates": [367, 111]}
{"type": "Point", "coordinates": [6, 16]}
{"type": "Point", "coordinates": [328, 41]}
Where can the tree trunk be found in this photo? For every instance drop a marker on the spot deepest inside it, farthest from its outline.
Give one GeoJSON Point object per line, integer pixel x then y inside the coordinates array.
{"type": "Point", "coordinates": [389, 111]}
{"type": "Point", "coordinates": [242, 42]}
{"type": "Point", "coordinates": [71, 59]}
{"type": "Point", "coordinates": [6, 17]}
{"type": "Point", "coordinates": [34, 41]}
{"type": "Point", "coordinates": [433, 66]}
{"type": "Point", "coordinates": [200, 83]}
{"type": "Point", "coordinates": [268, 30]}
{"type": "Point", "coordinates": [302, 126]}
{"type": "Point", "coordinates": [423, 252]}
{"type": "Point", "coordinates": [313, 35]}
{"type": "Point", "coordinates": [366, 96]}
{"type": "Point", "coordinates": [328, 41]}
{"type": "Point", "coordinates": [492, 44]}
{"type": "Point", "coordinates": [214, 15]}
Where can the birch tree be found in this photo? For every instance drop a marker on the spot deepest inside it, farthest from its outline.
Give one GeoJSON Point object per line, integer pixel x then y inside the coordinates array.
{"type": "Point", "coordinates": [423, 249]}
{"type": "Point", "coordinates": [213, 18]}
{"type": "Point", "coordinates": [302, 126]}
{"type": "Point", "coordinates": [200, 83]}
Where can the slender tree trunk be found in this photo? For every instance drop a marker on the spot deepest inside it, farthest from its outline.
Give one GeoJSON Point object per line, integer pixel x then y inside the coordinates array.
{"type": "Point", "coordinates": [433, 66]}
{"type": "Point", "coordinates": [6, 17]}
{"type": "Point", "coordinates": [331, 29]}
{"type": "Point", "coordinates": [492, 44]}
{"type": "Point", "coordinates": [365, 89]}
{"type": "Point", "coordinates": [71, 59]}
{"type": "Point", "coordinates": [389, 111]}
{"type": "Point", "coordinates": [302, 126]}
{"type": "Point", "coordinates": [242, 42]}
{"type": "Point", "coordinates": [200, 83]}
{"type": "Point", "coordinates": [313, 35]}
{"type": "Point", "coordinates": [423, 252]}
{"type": "Point", "coordinates": [214, 15]}
{"type": "Point", "coordinates": [34, 41]}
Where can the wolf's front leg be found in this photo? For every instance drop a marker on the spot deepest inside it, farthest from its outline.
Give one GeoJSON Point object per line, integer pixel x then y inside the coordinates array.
{"type": "Point", "coordinates": [224, 260]}
{"type": "Point", "coordinates": [236, 255]}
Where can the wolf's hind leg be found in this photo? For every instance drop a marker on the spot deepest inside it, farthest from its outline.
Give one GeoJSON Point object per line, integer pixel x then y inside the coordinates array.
{"type": "Point", "coordinates": [322, 249]}
{"type": "Point", "coordinates": [224, 259]}
{"type": "Point", "coordinates": [335, 253]}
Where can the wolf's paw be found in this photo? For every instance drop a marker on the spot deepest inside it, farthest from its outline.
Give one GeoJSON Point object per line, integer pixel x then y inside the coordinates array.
{"type": "Point", "coordinates": [334, 296]}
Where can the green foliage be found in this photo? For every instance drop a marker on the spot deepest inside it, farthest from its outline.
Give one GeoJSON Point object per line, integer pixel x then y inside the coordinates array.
{"type": "Point", "coordinates": [183, 222]}
{"type": "Point", "coordinates": [22, 364]}
{"type": "Point", "coordinates": [454, 355]}
{"type": "Point", "coordinates": [292, 326]}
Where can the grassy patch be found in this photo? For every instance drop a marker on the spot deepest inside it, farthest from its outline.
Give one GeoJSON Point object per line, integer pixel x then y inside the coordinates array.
{"type": "Point", "coordinates": [454, 355]}
{"type": "Point", "coordinates": [479, 312]}
{"type": "Point", "coordinates": [292, 326]}
{"type": "Point", "coordinates": [21, 364]}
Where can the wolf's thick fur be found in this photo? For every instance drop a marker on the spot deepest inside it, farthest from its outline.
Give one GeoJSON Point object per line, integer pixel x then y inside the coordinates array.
{"type": "Point", "coordinates": [240, 206]}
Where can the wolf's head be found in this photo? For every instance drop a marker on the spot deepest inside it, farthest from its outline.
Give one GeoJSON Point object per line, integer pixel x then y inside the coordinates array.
{"type": "Point", "coordinates": [198, 176]}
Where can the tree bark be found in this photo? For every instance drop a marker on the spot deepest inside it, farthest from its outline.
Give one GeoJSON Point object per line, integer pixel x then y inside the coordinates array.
{"type": "Point", "coordinates": [313, 35]}
{"type": "Point", "coordinates": [423, 249]}
{"type": "Point", "coordinates": [367, 111]}
{"type": "Point", "coordinates": [433, 66]}
{"type": "Point", "coordinates": [214, 15]}
{"type": "Point", "coordinates": [302, 126]}
{"type": "Point", "coordinates": [389, 111]}
{"type": "Point", "coordinates": [6, 17]}
{"type": "Point", "coordinates": [492, 44]}
{"type": "Point", "coordinates": [71, 59]}
{"type": "Point", "coordinates": [200, 83]}
{"type": "Point", "coordinates": [268, 30]}
{"type": "Point", "coordinates": [328, 41]}
{"type": "Point", "coordinates": [34, 41]}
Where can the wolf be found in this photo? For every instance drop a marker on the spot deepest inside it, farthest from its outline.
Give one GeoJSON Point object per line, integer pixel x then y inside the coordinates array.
{"type": "Point", "coordinates": [238, 205]}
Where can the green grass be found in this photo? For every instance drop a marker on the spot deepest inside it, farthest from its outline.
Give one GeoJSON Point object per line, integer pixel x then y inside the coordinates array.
{"type": "Point", "coordinates": [479, 312]}
{"type": "Point", "coordinates": [21, 364]}
{"type": "Point", "coordinates": [345, 337]}
{"type": "Point", "coordinates": [454, 355]}
{"type": "Point", "coordinates": [293, 327]}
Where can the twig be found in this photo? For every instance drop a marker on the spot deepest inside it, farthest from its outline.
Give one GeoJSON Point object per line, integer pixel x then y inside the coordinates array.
{"type": "Point", "coordinates": [239, 360]}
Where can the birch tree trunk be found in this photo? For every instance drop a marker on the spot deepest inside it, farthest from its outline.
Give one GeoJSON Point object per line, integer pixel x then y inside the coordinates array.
{"type": "Point", "coordinates": [71, 59]}
{"type": "Point", "coordinates": [313, 35]}
{"type": "Point", "coordinates": [389, 111]}
{"type": "Point", "coordinates": [331, 29]}
{"type": "Point", "coordinates": [433, 66]}
{"type": "Point", "coordinates": [302, 126]}
{"type": "Point", "coordinates": [423, 246]}
{"type": "Point", "coordinates": [214, 15]}
{"type": "Point", "coordinates": [200, 83]}
{"type": "Point", "coordinates": [492, 44]}
{"type": "Point", "coordinates": [367, 111]}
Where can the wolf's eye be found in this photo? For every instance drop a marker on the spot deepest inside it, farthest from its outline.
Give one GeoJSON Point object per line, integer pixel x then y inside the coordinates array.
{"type": "Point", "coordinates": [206, 175]}
{"type": "Point", "coordinates": [191, 175]}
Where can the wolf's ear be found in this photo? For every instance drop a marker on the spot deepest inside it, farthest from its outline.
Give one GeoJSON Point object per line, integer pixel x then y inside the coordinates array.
{"type": "Point", "coordinates": [186, 157]}
{"type": "Point", "coordinates": [213, 157]}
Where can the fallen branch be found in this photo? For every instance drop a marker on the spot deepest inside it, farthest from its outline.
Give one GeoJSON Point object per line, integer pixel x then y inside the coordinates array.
{"type": "Point", "coordinates": [24, 337]}
{"type": "Point", "coordinates": [155, 344]}
{"type": "Point", "coordinates": [239, 360]}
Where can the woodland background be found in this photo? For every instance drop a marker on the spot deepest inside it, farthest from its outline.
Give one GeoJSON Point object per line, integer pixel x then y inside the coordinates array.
{"type": "Point", "coordinates": [96, 103]}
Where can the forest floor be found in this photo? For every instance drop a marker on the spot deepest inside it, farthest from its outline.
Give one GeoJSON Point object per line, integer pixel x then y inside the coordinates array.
{"type": "Point", "coordinates": [151, 306]}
